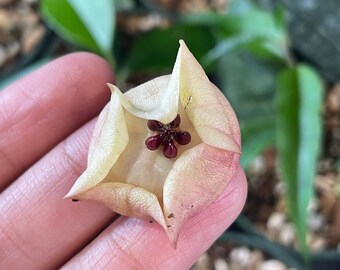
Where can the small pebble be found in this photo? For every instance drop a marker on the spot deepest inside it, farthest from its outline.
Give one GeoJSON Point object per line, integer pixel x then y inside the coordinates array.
{"type": "Point", "coordinates": [220, 264]}
{"type": "Point", "coordinates": [240, 255]}
{"type": "Point", "coordinates": [276, 221]}
{"type": "Point", "coordinates": [317, 244]}
{"type": "Point", "coordinates": [287, 234]}
{"type": "Point", "coordinates": [203, 263]}
{"type": "Point", "coordinates": [316, 221]}
{"type": "Point", "coordinates": [13, 49]}
{"type": "Point", "coordinates": [258, 165]}
{"type": "Point", "coordinates": [6, 22]}
{"type": "Point", "coordinates": [280, 189]}
{"type": "Point", "coordinates": [272, 265]}
{"type": "Point", "coordinates": [256, 258]}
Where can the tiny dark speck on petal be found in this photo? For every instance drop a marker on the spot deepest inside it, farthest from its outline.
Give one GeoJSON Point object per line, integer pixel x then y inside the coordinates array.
{"type": "Point", "coordinates": [192, 206]}
{"type": "Point", "coordinates": [171, 215]}
{"type": "Point", "coordinates": [151, 221]}
{"type": "Point", "coordinates": [74, 200]}
{"type": "Point", "coordinates": [169, 226]}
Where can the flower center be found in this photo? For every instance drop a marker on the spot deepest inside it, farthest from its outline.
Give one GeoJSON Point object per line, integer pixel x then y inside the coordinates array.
{"type": "Point", "coordinates": [167, 135]}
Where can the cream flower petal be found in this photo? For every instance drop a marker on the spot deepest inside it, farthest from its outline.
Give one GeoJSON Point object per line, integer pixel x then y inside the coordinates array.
{"type": "Point", "coordinates": [127, 200]}
{"type": "Point", "coordinates": [213, 118]}
{"type": "Point", "coordinates": [196, 180]}
{"type": "Point", "coordinates": [200, 175]}
{"type": "Point", "coordinates": [108, 142]}
{"type": "Point", "coordinates": [156, 99]}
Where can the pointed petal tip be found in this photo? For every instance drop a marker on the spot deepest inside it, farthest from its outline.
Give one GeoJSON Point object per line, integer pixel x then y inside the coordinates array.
{"type": "Point", "coordinates": [69, 195]}
{"type": "Point", "coordinates": [172, 232]}
{"type": "Point", "coordinates": [111, 86]}
{"type": "Point", "coordinates": [174, 245]}
{"type": "Point", "coordinates": [172, 238]}
{"type": "Point", "coordinates": [72, 193]}
{"type": "Point", "coordinates": [183, 45]}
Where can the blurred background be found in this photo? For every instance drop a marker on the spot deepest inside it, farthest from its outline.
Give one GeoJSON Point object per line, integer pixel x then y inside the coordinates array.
{"type": "Point", "coordinates": [278, 63]}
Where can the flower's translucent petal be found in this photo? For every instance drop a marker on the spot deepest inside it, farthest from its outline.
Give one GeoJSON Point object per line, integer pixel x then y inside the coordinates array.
{"type": "Point", "coordinates": [109, 140]}
{"type": "Point", "coordinates": [196, 180]}
{"type": "Point", "coordinates": [154, 100]}
{"type": "Point", "coordinates": [209, 112]}
{"type": "Point", "coordinates": [127, 200]}
{"type": "Point", "coordinates": [138, 166]}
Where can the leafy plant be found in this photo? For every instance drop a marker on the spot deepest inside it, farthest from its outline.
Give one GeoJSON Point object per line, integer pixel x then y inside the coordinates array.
{"type": "Point", "coordinates": [299, 96]}
{"type": "Point", "coordinates": [88, 24]}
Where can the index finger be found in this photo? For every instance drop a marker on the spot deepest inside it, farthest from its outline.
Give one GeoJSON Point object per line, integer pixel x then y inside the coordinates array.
{"type": "Point", "coordinates": [41, 109]}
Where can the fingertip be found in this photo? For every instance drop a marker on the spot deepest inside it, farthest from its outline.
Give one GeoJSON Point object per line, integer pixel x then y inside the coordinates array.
{"type": "Point", "coordinates": [83, 74]}
{"type": "Point", "coordinates": [236, 191]}
{"type": "Point", "coordinates": [89, 63]}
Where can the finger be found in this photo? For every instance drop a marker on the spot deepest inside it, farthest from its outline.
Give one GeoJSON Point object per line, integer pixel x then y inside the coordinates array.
{"type": "Point", "coordinates": [133, 244]}
{"type": "Point", "coordinates": [41, 109]}
{"type": "Point", "coordinates": [38, 228]}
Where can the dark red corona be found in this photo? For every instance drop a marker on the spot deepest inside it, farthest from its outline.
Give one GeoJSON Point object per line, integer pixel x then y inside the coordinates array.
{"type": "Point", "coordinates": [167, 135]}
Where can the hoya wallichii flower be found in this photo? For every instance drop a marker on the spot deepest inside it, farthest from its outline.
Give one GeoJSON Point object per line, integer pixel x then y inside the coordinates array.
{"type": "Point", "coordinates": [164, 150]}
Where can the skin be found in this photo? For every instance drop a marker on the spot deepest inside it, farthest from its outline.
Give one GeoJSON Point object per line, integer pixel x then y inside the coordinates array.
{"type": "Point", "coordinates": [46, 122]}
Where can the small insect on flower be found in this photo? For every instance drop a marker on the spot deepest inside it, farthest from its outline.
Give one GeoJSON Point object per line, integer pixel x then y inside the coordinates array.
{"type": "Point", "coordinates": [163, 151]}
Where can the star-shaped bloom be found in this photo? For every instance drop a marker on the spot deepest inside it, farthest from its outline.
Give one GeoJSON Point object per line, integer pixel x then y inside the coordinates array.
{"type": "Point", "coordinates": [163, 151]}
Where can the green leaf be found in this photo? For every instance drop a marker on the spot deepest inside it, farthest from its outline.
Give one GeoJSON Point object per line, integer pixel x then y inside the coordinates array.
{"type": "Point", "coordinates": [89, 24]}
{"type": "Point", "coordinates": [246, 26]}
{"type": "Point", "coordinates": [249, 84]}
{"type": "Point", "coordinates": [299, 101]}
{"type": "Point", "coordinates": [256, 137]}
{"type": "Point", "coordinates": [157, 49]}
{"type": "Point", "coordinates": [258, 45]}
{"type": "Point", "coordinates": [98, 18]}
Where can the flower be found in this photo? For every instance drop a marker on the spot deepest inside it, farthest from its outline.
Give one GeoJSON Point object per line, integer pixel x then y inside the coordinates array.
{"type": "Point", "coordinates": [185, 115]}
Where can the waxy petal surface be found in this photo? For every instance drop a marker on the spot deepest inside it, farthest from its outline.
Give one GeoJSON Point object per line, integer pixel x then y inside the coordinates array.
{"type": "Point", "coordinates": [213, 119]}
{"type": "Point", "coordinates": [127, 200]}
{"type": "Point", "coordinates": [108, 142]}
{"type": "Point", "coordinates": [156, 99]}
{"type": "Point", "coordinates": [196, 180]}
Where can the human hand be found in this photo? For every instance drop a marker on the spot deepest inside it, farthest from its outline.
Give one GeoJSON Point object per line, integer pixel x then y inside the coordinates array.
{"type": "Point", "coordinates": [45, 130]}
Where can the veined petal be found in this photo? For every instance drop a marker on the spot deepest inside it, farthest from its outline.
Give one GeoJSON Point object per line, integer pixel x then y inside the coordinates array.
{"type": "Point", "coordinates": [127, 200]}
{"type": "Point", "coordinates": [156, 99]}
{"type": "Point", "coordinates": [109, 140]}
{"type": "Point", "coordinates": [196, 180]}
{"type": "Point", "coordinates": [209, 112]}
